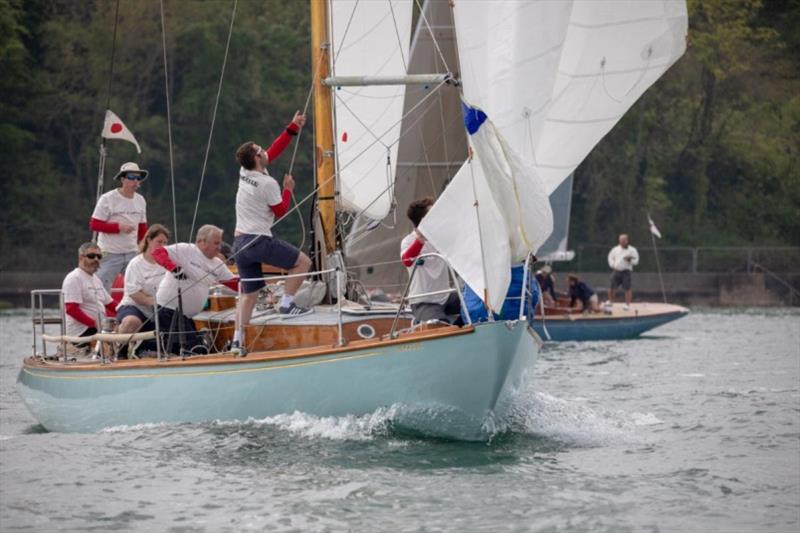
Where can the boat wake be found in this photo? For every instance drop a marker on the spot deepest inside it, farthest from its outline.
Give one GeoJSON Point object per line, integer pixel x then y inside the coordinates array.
{"type": "Point", "coordinates": [574, 422]}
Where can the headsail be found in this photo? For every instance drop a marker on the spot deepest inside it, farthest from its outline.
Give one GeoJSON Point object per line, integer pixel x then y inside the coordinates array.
{"type": "Point", "coordinates": [555, 77]}
{"type": "Point", "coordinates": [369, 37]}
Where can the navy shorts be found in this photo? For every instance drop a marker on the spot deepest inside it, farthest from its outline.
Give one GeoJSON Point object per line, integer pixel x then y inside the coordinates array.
{"type": "Point", "coordinates": [270, 250]}
{"type": "Point", "coordinates": [130, 310]}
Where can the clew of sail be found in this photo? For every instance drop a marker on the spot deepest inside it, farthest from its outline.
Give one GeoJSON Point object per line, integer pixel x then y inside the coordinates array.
{"type": "Point", "coordinates": [555, 77]}
{"type": "Point", "coordinates": [369, 37]}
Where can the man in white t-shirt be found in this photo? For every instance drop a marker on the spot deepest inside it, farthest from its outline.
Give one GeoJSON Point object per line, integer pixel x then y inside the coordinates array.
{"type": "Point", "coordinates": [120, 221]}
{"type": "Point", "coordinates": [621, 260]}
{"type": "Point", "coordinates": [259, 202]}
{"type": "Point", "coordinates": [431, 275]}
{"type": "Point", "coordinates": [86, 302]}
{"type": "Point", "coordinates": [194, 269]}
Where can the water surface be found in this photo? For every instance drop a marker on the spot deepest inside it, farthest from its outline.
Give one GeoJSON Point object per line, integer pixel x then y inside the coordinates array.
{"type": "Point", "coordinates": [695, 427]}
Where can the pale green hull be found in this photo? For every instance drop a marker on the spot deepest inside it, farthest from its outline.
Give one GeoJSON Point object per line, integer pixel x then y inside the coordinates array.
{"type": "Point", "coordinates": [454, 386]}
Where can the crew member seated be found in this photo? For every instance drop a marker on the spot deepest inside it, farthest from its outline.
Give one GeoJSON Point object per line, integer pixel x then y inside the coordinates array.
{"type": "Point", "coordinates": [86, 301]}
{"type": "Point", "coordinates": [194, 268]}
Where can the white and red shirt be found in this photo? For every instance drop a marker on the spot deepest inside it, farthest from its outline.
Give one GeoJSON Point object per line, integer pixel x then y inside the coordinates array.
{"type": "Point", "coordinates": [141, 276]}
{"type": "Point", "coordinates": [432, 275]}
{"type": "Point", "coordinates": [257, 192]}
{"type": "Point", "coordinates": [114, 208]}
{"type": "Point", "coordinates": [88, 292]}
{"type": "Point", "coordinates": [201, 272]}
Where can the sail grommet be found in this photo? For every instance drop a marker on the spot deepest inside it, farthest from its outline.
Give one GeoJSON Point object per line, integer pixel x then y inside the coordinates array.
{"type": "Point", "coordinates": [365, 331]}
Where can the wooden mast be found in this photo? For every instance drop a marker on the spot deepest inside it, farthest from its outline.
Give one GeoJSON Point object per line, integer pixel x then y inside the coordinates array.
{"type": "Point", "coordinates": [323, 122]}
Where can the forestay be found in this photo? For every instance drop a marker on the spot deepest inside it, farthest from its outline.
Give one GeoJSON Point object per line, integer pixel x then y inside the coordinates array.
{"type": "Point", "coordinates": [369, 38]}
{"type": "Point", "coordinates": [554, 77]}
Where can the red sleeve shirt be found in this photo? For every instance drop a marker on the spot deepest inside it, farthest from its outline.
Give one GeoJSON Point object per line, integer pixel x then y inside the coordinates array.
{"type": "Point", "coordinates": [161, 256]}
{"type": "Point", "coordinates": [412, 252]}
{"type": "Point", "coordinates": [283, 140]}
{"type": "Point", "coordinates": [101, 226]}
{"type": "Point", "coordinates": [141, 231]}
{"type": "Point", "coordinates": [283, 207]}
{"type": "Point", "coordinates": [74, 310]}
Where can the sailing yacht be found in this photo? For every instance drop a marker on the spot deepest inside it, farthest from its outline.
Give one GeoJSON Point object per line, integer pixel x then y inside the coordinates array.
{"type": "Point", "coordinates": [515, 69]}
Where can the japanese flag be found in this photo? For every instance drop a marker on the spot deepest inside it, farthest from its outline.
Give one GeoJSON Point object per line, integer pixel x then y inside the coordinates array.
{"type": "Point", "coordinates": [113, 128]}
{"type": "Point", "coordinates": [653, 228]}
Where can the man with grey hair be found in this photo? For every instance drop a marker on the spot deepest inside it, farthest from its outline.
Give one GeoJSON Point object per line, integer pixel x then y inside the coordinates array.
{"type": "Point", "coordinates": [195, 269]}
{"type": "Point", "coordinates": [86, 301]}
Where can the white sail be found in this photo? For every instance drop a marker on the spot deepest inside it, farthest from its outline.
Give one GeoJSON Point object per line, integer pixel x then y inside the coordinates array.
{"type": "Point", "coordinates": [369, 38]}
{"type": "Point", "coordinates": [501, 205]}
{"type": "Point", "coordinates": [554, 77]}
{"type": "Point", "coordinates": [432, 148]}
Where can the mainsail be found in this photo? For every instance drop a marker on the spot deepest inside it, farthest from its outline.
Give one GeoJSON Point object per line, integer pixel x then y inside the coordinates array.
{"type": "Point", "coordinates": [432, 146]}
{"type": "Point", "coordinates": [369, 37]}
{"type": "Point", "coordinates": [554, 78]}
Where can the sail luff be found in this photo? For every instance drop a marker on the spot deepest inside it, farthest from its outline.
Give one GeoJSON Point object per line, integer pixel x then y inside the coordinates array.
{"type": "Point", "coordinates": [323, 124]}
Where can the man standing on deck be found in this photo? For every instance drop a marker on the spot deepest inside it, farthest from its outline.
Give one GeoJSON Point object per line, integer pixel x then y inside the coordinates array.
{"type": "Point", "coordinates": [621, 259]}
{"type": "Point", "coordinates": [120, 221]}
{"type": "Point", "coordinates": [85, 299]}
{"type": "Point", "coordinates": [195, 269]}
{"type": "Point", "coordinates": [259, 202]}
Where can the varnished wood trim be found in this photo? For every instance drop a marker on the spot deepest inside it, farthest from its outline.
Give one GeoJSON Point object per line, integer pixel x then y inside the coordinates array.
{"type": "Point", "coordinates": [255, 357]}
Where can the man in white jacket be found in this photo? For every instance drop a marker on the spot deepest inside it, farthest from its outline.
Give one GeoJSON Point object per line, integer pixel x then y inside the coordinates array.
{"type": "Point", "coordinates": [621, 259]}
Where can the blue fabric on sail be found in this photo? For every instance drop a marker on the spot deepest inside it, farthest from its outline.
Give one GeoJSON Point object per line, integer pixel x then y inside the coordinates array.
{"type": "Point", "coordinates": [473, 118]}
{"type": "Point", "coordinates": [510, 310]}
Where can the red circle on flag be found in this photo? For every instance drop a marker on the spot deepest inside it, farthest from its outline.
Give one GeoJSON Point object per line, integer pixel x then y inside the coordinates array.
{"type": "Point", "coordinates": [116, 127]}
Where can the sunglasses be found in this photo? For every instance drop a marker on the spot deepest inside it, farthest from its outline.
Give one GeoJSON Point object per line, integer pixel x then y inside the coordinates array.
{"type": "Point", "coordinates": [93, 256]}
{"type": "Point", "coordinates": [133, 177]}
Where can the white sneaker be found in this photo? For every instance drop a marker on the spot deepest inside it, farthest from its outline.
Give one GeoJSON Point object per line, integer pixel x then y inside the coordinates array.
{"type": "Point", "coordinates": [626, 307]}
{"type": "Point", "coordinates": [237, 349]}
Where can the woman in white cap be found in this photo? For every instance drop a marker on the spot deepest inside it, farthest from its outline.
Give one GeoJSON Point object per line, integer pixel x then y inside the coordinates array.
{"type": "Point", "coordinates": [120, 220]}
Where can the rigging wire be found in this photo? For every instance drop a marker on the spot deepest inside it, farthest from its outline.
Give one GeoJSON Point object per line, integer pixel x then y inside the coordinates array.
{"type": "Point", "coordinates": [102, 161]}
{"type": "Point", "coordinates": [433, 37]}
{"type": "Point", "coordinates": [113, 53]}
{"type": "Point", "coordinates": [336, 174]}
{"type": "Point", "coordinates": [169, 122]}
{"type": "Point", "coordinates": [344, 35]}
{"type": "Point", "coordinates": [399, 41]}
{"type": "Point", "coordinates": [297, 144]}
{"type": "Point", "coordinates": [213, 118]}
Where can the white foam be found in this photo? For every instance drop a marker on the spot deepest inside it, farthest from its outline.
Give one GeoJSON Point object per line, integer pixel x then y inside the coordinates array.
{"type": "Point", "coordinates": [134, 427]}
{"type": "Point", "coordinates": [574, 422]}
{"type": "Point", "coordinates": [349, 427]}
{"type": "Point", "coordinates": [648, 419]}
